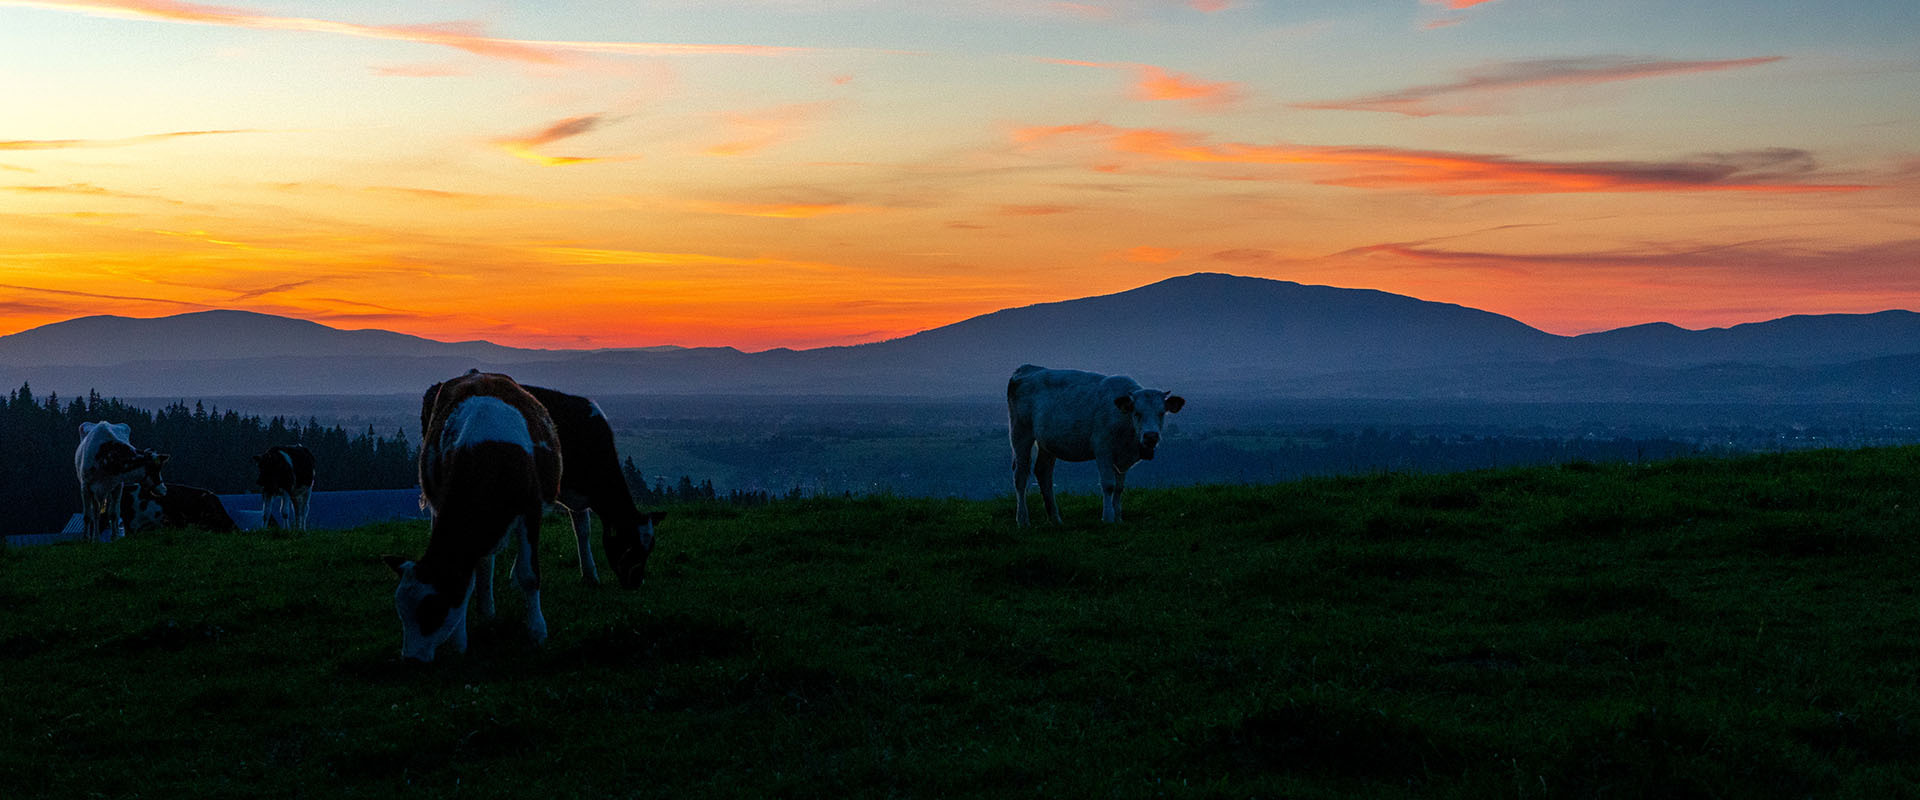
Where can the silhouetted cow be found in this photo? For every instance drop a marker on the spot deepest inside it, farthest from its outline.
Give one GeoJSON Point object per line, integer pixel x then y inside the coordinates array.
{"type": "Point", "coordinates": [286, 485]}
{"type": "Point", "coordinates": [489, 465]}
{"type": "Point", "coordinates": [1072, 415]}
{"type": "Point", "coordinates": [591, 482]}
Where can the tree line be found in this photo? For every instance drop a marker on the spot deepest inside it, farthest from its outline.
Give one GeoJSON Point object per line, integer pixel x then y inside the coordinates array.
{"type": "Point", "coordinates": [207, 447]}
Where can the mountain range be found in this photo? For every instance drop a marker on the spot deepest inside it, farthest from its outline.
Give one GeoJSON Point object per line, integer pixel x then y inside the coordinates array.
{"type": "Point", "coordinates": [1205, 333]}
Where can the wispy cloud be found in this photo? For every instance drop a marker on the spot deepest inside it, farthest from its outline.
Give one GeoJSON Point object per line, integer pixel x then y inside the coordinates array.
{"type": "Point", "coordinates": [67, 144]}
{"type": "Point", "coordinates": [419, 71]}
{"type": "Point", "coordinates": [1455, 5]}
{"type": "Point", "coordinates": [786, 210]}
{"type": "Point", "coordinates": [1475, 90]}
{"type": "Point", "coordinates": [749, 132]}
{"type": "Point", "coordinates": [1442, 172]}
{"type": "Point", "coordinates": [1156, 83]}
{"type": "Point", "coordinates": [1035, 210]}
{"type": "Point", "coordinates": [469, 37]}
{"type": "Point", "coordinates": [524, 146]}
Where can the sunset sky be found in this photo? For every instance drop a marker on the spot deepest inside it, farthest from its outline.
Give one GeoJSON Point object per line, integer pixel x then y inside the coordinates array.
{"type": "Point", "coordinates": [798, 173]}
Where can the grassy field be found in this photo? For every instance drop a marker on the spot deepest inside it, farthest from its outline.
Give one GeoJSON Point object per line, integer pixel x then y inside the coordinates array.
{"type": "Point", "coordinates": [1745, 628]}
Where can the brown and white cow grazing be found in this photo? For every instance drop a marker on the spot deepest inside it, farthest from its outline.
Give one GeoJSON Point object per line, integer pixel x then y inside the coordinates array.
{"type": "Point", "coordinates": [286, 484]}
{"type": "Point", "coordinates": [489, 465]}
{"type": "Point", "coordinates": [1070, 415]}
{"type": "Point", "coordinates": [592, 483]}
{"type": "Point", "coordinates": [180, 506]}
{"type": "Point", "coordinates": [104, 460]}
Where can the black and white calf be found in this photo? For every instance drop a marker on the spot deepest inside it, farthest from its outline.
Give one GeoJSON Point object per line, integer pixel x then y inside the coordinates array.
{"type": "Point", "coordinates": [103, 461]}
{"type": "Point", "coordinates": [489, 465]}
{"type": "Point", "coordinates": [180, 506]}
{"type": "Point", "coordinates": [1071, 415]}
{"type": "Point", "coordinates": [591, 483]}
{"type": "Point", "coordinates": [286, 485]}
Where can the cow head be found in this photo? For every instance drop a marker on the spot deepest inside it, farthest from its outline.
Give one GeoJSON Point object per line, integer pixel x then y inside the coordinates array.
{"type": "Point", "coordinates": [1148, 407]}
{"type": "Point", "coordinates": [428, 616]}
{"type": "Point", "coordinates": [628, 553]}
{"type": "Point", "coordinates": [152, 483]}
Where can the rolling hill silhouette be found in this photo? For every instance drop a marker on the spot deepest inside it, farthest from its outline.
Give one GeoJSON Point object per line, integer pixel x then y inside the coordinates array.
{"type": "Point", "coordinates": [1201, 333]}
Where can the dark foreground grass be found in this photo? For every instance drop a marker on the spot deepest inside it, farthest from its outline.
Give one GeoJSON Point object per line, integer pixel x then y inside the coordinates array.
{"type": "Point", "coordinates": [1702, 629]}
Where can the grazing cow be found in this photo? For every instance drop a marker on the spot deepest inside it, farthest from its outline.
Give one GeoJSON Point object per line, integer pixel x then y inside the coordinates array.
{"type": "Point", "coordinates": [286, 484]}
{"type": "Point", "coordinates": [103, 461]}
{"type": "Point", "coordinates": [489, 465]}
{"type": "Point", "coordinates": [592, 483]}
{"type": "Point", "coordinates": [1079, 416]}
{"type": "Point", "coordinates": [142, 510]}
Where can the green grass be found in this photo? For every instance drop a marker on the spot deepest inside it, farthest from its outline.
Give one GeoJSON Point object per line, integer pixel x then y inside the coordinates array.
{"type": "Point", "coordinates": [1744, 628]}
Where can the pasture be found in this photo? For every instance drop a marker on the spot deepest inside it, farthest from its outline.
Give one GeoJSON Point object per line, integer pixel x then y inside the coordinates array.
{"type": "Point", "coordinates": [1695, 628]}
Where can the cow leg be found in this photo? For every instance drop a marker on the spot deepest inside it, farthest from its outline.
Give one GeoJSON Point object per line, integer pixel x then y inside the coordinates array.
{"type": "Point", "coordinates": [89, 514]}
{"type": "Point", "coordinates": [1110, 483]}
{"type": "Point", "coordinates": [1022, 469]}
{"type": "Point", "coordinates": [301, 500]}
{"type": "Point", "coordinates": [110, 516]}
{"type": "Point", "coordinates": [526, 574]}
{"type": "Point", "coordinates": [582, 530]}
{"type": "Point", "coordinates": [1119, 488]}
{"type": "Point", "coordinates": [483, 588]}
{"type": "Point", "coordinates": [1043, 470]}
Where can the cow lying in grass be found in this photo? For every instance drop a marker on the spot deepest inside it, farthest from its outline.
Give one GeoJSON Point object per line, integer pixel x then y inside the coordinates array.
{"type": "Point", "coordinates": [489, 465]}
{"type": "Point", "coordinates": [103, 461]}
{"type": "Point", "coordinates": [1067, 414]}
{"type": "Point", "coordinates": [592, 482]}
{"type": "Point", "coordinates": [141, 509]}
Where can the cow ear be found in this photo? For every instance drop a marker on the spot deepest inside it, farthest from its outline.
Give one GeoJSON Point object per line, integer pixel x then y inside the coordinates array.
{"type": "Point", "coordinates": [398, 564]}
{"type": "Point", "coordinates": [1175, 403]}
{"type": "Point", "coordinates": [86, 426]}
{"type": "Point", "coordinates": [1124, 402]}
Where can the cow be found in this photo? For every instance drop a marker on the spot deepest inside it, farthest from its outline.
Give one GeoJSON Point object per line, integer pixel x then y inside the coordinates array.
{"type": "Point", "coordinates": [1068, 414]}
{"type": "Point", "coordinates": [286, 484]}
{"type": "Point", "coordinates": [104, 460]}
{"type": "Point", "coordinates": [592, 483]}
{"type": "Point", "coordinates": [141, 510]}
{"type": "Point", "coordinates": [489, 466]}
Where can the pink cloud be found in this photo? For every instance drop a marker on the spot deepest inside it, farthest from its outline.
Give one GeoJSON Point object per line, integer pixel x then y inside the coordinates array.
{"type": "Point", "coordinates": [1153, 83]}
{"type": "Point", "coordinates": [1451, 173]}
{"type": "Point", "coordinates": [64, 144]}
{"type": "Point", "coordinates": [1455, 5]}
{"type": "Point", "coordinates": [465, 36]}
{"type": "Point", "coordinates": [1492, 80]}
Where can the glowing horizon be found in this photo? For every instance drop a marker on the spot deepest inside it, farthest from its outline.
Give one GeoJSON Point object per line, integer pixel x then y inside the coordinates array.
{"type": "Point", "coordinates": [763, 173]}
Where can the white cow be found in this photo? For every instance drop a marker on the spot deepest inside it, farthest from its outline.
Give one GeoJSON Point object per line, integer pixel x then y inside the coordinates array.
{"type": "Point", "coordinates": [1080, 416]}
{"type": "Point", "coordinates": [105, 459]}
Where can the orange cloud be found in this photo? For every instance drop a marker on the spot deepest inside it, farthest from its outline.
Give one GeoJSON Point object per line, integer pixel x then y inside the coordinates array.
{"type": "Point", "coordinates": [523, 146]}
{"type": "Point", "coordinates": [1150, 255]}
{"type": "Point", "coordinates": [1455, 5]}
{"type": "Point", "coordinates": [750, 132]}
{"type": "Point", "coordinates": [1775, 170]}
{"type": "Point", "coordinates": [1156, 83]}
{"type": "Point", "coordinates": [785, 210]}
{"type": "Point", "coordinates": [1421, 101]}
{"type": "Point", "coordinates": [1036, 210]}
{"type": "Point", "coordinates": [464, 36]}
{"type": "Point", "coordinates": [64, 144]}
